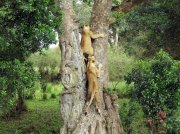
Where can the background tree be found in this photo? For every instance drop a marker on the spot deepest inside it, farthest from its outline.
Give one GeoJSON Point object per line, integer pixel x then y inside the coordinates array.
{"type": "Point", "coordinates": [149, 27]}
{"type": "Point", "coordinates": [26, 27]}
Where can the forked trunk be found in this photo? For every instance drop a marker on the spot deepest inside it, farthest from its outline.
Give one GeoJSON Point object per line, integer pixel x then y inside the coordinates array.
{"type": "Point", "coordinates": [74, 78]}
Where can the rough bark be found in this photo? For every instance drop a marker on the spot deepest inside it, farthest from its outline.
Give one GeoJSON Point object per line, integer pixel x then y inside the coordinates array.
{"type": "Point", "coordinates": [73, 97]}
{"type": "Point", "coordinates": [73, 71]}
{"type": "Point", "coordinates": [100, 23]}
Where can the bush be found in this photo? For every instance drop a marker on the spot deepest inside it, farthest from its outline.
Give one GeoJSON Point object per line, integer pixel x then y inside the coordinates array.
{"type": "Point", "coordinates": [30, 93]}
{"type": "Point", "coordinates": [28, 96]}
{"type": "Point", "coordinates": [156, 84]}
{"type": "Point", "coordinates": [44, 97]}
{"type": "Point", "coordinates": [119, 87]}
{"type": "Point", "coordinates": [47, 64]}
{"type": "Point", "coordinates": [173, 122]}
{"type": "Point", "coordinates": [53, 96]}
{"type": "Point", "coordinates": [132, 117]}
{"type": "Point", "coordinates": [49, 88]}
{"type": "Point", "coordinates": [119, 63]}
{"type": "Point", "coordinates": [43, 86]}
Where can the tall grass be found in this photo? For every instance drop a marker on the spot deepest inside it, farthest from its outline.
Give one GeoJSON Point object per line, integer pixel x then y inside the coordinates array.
{"type": "Point", "coordinates": [120, 63]}
{"type": "Point", "coordinates": [51, 88]}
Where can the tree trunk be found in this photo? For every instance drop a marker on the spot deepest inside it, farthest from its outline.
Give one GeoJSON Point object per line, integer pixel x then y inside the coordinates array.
{"type": "Point", "coordinates": [73, 72]}
{"type": "Point", "coordinates": [20, 106]}
{"type": "Point", "coordinates": [74, 78]}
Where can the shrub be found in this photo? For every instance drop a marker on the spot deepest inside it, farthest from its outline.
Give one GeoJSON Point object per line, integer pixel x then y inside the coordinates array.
{"type": "Point", "coordinates": [43, 86]}
{"type": "Point", "coordinates": [132, 116]}
{"type": "Point", "coordinates": [119, 87]}
{"type": "Point", "coordinates": [53, 96]}
{"type": "Point", "coordinates": [156, 84]}
{"type": "Point", "coordinates": [28, 96]}
{"type": "Point", "coordinates": [49, 88]}
{"type": "Point", "coordinates": [30, 93]}
{"type": "Point", "coordinates": [119, 63]}
{"type": "Point", "coordinates": [44, 97]}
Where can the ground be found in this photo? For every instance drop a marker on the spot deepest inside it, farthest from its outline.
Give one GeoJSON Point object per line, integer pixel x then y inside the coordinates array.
{"type": "Point", "coordinates": [43, 117]}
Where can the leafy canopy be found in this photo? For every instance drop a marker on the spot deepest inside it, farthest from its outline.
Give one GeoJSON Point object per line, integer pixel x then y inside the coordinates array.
{"type": "Point", "coordinates": [156, 84]}
{"type": "Point", "coordinates": [15, 76]}
{"type": "Point", "coordinates": [26, 26]}
{"type": "Point", "coordinates": [151, 26]}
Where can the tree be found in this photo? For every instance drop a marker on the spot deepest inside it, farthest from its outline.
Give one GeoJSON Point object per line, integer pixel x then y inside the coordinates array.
{"type": "Point", "coordinates": [150, 27]}
{"type": "Point", "coordinates": [156, 85]}
{"type": "Point", "coordinates": [73, 97]}
{"type": "Point", "coordinates": [26, 27]}
{"type": "Point", "coordinates": [15, 77]}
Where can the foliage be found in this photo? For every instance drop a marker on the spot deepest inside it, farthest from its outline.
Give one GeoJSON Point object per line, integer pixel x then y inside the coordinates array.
{"type": "Point", "coordinates": [156, 84]}
{"type": "Point", "coordinates": [173, 122]}
{"type": "Point", "coordinates": [132, 116]}
{"type": "Point", "coordinates": [83, 11]}
{"type": "Point", "coordinates": [29, 94]}
{"type": "Point", "coordinates": [43, 118]}
{"type": "Point", "coordinates": [47, 64]}
{"type": "Point", "coordinates": [53, 95]}
{"type": "Point", "coordinates": [88, 2]}
{"type": "Point", "coordinates": [117, 2]}
{"type": "Point", "coordinates": [150, 27]}
{"type": "Point", "coordinates": [119, 87]}
{"type": "Point", "coordinates": [50, 88]}
{"type": "Point", "coordinates": [44, 96]}
{"type": "Point", "coordinates": [15, 76]}
{"type": "Point", "coordinates": [119, 63]}
{"type": "Point", "coordinates": [26, 27]}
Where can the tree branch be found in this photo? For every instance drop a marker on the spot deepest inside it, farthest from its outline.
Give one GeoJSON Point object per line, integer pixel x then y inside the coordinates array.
{"type": "Point", "coordinates": [127, 5]}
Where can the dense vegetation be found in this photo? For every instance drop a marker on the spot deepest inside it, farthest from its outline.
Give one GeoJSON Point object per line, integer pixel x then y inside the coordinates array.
{"type": "Point", "coordinates": [47, 64]}
{"type": "Point", "coordinates": [144, 68]}
{"type": "Point", "coordinates": [42, 117]}
{"type": "Point", "coordinates": [26, 27]}
{"type": "Point", "coordinates": [150, 27]}
{"type": "Point", "coordinates": [156, 88]}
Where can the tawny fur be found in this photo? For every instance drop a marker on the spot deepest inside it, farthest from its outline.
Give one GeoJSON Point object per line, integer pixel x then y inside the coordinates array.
{"type": "Point", "coordinates": [86, 44]}
{"type": "Point", "coordinates": [92, 74]}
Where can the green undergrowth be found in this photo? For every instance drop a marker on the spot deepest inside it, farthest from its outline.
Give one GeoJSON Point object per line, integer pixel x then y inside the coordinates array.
{"type": "Point", "coordinates": [50, 89]}
{"type": "Point", "coordinates": [43, 117]}
{"type": "Point", "coordinates": [132, 117]}
{"type": "Point", "coordinates": [120, 87]}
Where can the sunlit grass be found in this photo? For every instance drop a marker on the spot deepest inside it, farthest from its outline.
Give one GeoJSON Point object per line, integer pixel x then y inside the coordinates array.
{"type": "Point", "coordinates": [119, 87]}
{"type": "Point", "coordinates": [50, 89]}
{"type": "Point", "coordinates": [43, 116]}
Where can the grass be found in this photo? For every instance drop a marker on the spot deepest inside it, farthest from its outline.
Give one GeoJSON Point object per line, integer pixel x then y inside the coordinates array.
{"type": "Point", "coordinates": [50, 89]}
{"type": "Point", "coordinates": [119, 87]}
{"type": "Point", "coordinates": [43, 116]}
